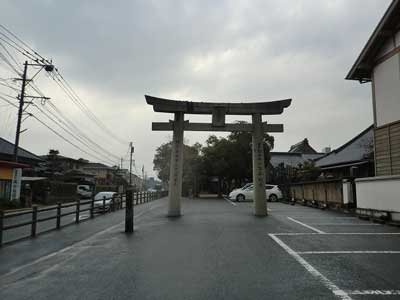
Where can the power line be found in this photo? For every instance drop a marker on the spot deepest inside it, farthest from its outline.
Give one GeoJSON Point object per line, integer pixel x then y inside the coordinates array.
{"type": "Point", "coordinates": [65, 139]}
{"type": "Point", "coordinates": [14, 42]}
{"type": "Point", "coordinates": [7, 95]}
{"type": "Point", "coordinates": [23, 52]}
{"type": "Point", "coordinates": [59, 79]}
{"type": "Point", "coordinates": [21, 41]}
{"type": "Point", "coordinates": [59, 123]}
{"type": "Point", "coordinates": [8, 101]}
{"type": "Point", "coordinates": [5, 59]}
{"type": "Point", "coordinates": [12, 57]}
{"type": "Point", "coordinates": [71, 126]}
{"type": "Point", "coordinates": [9, 86]}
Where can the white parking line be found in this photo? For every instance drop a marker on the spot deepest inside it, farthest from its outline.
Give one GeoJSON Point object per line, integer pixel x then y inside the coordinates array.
{"type": "Point", "coordinates": [348, 252]}
{"type": "Point", "coordinates": [307, 226]}
{"type": "Point", "coordinates": [338, 233]}
{"type": "Point", "coordinates": [344, 224]}
{"type": "Point", "coordinates": [374, 292]}
{"type": "Point", "coordinates": [314, 272]}
{"type": "Point", "coordinates": [326, 218]}
{"type": "Point", "coordinates": [234, 204]}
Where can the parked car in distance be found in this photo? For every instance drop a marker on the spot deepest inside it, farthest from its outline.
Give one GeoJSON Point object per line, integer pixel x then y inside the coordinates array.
{"type": "Point", "coordinates": [246, 193]}
{"type": "Point", "coordinates": [243, 187]}
{"type": "Point", "coordinates": [103, 200]}
{"type": "Point", "coordinates": [84, 191]}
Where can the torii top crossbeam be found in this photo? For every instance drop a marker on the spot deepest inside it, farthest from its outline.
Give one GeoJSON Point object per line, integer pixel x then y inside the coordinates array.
{"type": "Point", "coordinates": [189, 107]}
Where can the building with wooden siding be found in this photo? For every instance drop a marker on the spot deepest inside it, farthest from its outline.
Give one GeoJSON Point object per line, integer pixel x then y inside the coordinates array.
{"type": "Point", "coordinates": [379, 64]}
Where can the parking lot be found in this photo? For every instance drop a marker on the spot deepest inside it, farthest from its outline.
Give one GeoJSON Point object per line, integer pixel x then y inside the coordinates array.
{"type": "Point", "coordinates": [354, 259]}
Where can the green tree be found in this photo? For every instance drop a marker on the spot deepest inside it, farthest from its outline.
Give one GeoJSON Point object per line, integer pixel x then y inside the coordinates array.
{"type": "Point", "coordinates": [230, 159]}
{"type": "Point", "coordinates": [309, 171]}
{"type": "Point", "coordinates": [191, 165]}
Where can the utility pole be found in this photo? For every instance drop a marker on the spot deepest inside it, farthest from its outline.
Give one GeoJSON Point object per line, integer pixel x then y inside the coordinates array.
{"type": "Point", "coordinates": [121, 162]}
{"type": "Point", "coordinates": [20, 110]}
{"type": "Point", "coordinates": [48, 66]}
{"type": "Point", "coordinates": [130, 165]}
{"type": "Point", "coordinates": [143, 183]}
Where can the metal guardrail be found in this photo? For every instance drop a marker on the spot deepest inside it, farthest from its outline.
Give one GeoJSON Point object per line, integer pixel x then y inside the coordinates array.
{"type": "Point", "coordinates": [118, 201]}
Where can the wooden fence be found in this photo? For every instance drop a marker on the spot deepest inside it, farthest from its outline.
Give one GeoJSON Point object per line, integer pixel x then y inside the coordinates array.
{"type": "Point", "coordinates": [327, 193]}
{"type": "Point", "coordinates": [28, 220]}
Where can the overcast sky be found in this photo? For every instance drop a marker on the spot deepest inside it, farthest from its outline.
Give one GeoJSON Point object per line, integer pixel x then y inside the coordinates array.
{"type": "Point", "coordinates": [114, 52]}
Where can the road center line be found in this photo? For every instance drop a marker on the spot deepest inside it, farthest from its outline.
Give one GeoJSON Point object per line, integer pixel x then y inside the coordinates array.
{"type": "Point", "coordinates": [348, 252]}
{"type": "Point", "coordinates": [314, 272]}
{"type": "Point", "coordinates": [307, 226]}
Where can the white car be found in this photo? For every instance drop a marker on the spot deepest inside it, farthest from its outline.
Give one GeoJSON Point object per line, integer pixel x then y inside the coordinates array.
{"type": "Point", "coordinates": [103, 199]}
{"type": "Point", "coordinates": [246, 193]}
{"type": "Point", "coordinates": [84, 191]}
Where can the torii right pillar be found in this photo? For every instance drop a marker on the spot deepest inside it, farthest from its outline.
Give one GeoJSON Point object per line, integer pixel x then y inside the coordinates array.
{"type": "Point", "coordinates": [260, 202]}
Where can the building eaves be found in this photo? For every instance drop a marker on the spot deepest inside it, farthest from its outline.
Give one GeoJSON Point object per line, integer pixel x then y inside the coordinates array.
{"type": "Point", "coordinates": [336, 156]}
{"type": "Point", "coordinates": [362, 68]}
{"type": "Point", "coordinates": [7, 149]}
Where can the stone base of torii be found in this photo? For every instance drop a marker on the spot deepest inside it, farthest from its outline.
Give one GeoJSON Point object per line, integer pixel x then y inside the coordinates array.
{"type": "Point", "coordinates": [218, 112]}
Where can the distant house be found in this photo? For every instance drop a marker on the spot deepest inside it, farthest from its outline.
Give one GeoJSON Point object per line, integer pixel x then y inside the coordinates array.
{"type": "Point", "coordinates": [286, 164]}
{"type": "Point", "coordinates": [358, 152]}
{"type": "Point", "coordinates": [302, 147]}
{"type": "Point", "coordinates": [11, 172]}
{"type": "Point", "coordinates": [102, 173]}
{"type": "Point", "coordinates": [62, 164]}
{"type": "Point", "coordinates": [137, 182]}
{"type": "Point", "coordinates": [297, 155]}
{"type": "Point", "coordinates": [379, 64]}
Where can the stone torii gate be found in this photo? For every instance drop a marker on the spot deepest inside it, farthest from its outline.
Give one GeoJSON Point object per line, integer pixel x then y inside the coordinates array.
{"type": "Point", "coordinates": [218, 112]}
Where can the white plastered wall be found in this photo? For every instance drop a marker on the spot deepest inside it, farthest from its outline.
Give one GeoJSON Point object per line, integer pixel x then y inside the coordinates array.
{"type": "Point", "coordinates": [379, 193]}
{"type": "Point", "coordinates": [387, 91]}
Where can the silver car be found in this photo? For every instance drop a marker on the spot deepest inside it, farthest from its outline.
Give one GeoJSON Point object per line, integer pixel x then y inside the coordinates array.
{"type": "Point", "coordinates": [103, 200]}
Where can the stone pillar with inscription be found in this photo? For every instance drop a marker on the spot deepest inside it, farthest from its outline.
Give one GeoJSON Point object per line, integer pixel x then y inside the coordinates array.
{"type": "Point", "coordinates": [175, 174]}
{"type": "Point", "coordinates": [260, 203]}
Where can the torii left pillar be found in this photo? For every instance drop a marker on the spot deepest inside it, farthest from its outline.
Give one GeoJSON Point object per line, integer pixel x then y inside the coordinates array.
{"type": "Point", "coordinates": [260, 203]}
{"type": "Point", "coordinates": [175, 173]}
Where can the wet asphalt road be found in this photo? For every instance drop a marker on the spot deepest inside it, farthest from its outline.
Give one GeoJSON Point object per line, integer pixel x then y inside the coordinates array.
{"type": "Point", "coordinates": [216, 250]}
